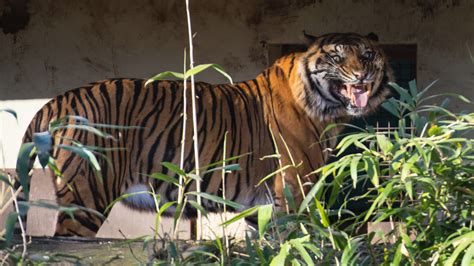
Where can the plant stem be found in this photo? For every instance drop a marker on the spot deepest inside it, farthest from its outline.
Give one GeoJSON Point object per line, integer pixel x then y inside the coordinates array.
{"type": "Point", "coordinates": [22, 228]}
{"type": "Point", "coordinates": [183, 144]}
{"type": "Point", "coordinates": [224, 233]}
{"type": "Point", "coordinates": [195, 130]}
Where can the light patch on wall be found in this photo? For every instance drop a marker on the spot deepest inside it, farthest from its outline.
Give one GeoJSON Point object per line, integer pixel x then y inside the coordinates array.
{"type": "Point", "coordinates": [11, 130]}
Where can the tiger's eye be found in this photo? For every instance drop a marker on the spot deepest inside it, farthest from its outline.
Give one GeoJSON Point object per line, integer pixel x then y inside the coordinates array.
{"type": "Point", "coordinates": [336, 58]}
{"type": "Point", "coordinates": [368, 55]}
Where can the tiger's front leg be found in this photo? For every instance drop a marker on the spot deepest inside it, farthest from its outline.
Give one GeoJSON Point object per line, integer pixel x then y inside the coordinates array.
{"type": "Point", "coordinates": [81, 199]}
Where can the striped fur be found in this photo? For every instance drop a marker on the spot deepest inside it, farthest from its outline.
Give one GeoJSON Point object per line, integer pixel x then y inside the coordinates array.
{"type": "Point", "coordinates": [285, 100]}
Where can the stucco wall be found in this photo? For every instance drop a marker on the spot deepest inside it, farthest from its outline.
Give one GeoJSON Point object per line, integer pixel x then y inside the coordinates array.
{"type": "Point", "coordinates": [68, 43]}
{"type": "Point", "coordinates": [49, 46]}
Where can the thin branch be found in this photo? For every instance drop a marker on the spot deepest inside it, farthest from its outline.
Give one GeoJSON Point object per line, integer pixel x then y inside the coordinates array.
{"type": "Point", "coordinates": [195, 129]}
{"type": "Point", "coordinates": [183, 145]}
{"type": "Point", "coordinates": [22, 228]}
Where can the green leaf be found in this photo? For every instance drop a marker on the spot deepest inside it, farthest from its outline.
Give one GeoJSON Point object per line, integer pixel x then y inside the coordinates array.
{"type": "Point", "coordinates": [87, 128]}
{"type": "Point", "coordinates": [227, 168]}
{"type": "Point", "coordinates": [281, 257]}
{"type": "Point", "coordinates": [264, 216]}
{"type": "Point", "coordinates": [23, 166]}
{"type": "Point", "coordinates": [289, 198]}
{"type": "Point", "coordinates": [174, 168]}
{"type": "Point", "coordinates": [412, 87]}
{"type": "Point", "coordinates": [165, 206]}
{"type": "Point", "coordinates": [44, 143]}
{"type": "Point", "coordinates": [391, 107]}
{"type": "Point", "coordinates": [354, 168]}
{"type": "Point", "coordinates": [322, 213]}
{"type": "Point", "coordinates": [462, 246]}
{"type": "Point", "coordinates": [409, 189]}
{"type": "Point", "coordinates": [408, 166]}
{"type": "Point", "coordinates": [216, 199]}
{"type": "Point", "coordinates": [311, 194]}
{"type": "Point", "coordinates": [435, 130]}
{"type": "Point", "coordinates": [199, 68]}
{"type": "Point", "coordinates": [372, 171]}
{"type": "Point", "coordinates": [397, 258]}
{"type": "Point", "coordinates": [85, 154]}
{"type": "Point", "coordinates": [296, 243]}
{"type": "Point", "coordinates": [467, 259]}
{"type": "Point", "coordinates": [404, 95]}
{"type": "Point", "coordinates": [165, 75]}
{"type": "Point", "coordinates": [384, 143]}
{"type": "Point", "coordinates": [196, 206]}
{"type": "Point", "coordinates": [426, 89]}
{"type": "Point", "coordinates": [4, 178]}
{"type": "Point", "coordinates": [241, 215]}
{"type": "Point", "coordinates": [164, 178]}
{"type": "Point", "coordinates": [279, 170]}
{"type": "Point", "coordinates": [10, 227]}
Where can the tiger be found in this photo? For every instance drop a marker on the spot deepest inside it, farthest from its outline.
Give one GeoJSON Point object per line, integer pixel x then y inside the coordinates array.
{"type": "Point", "coordinates": [274, 120]}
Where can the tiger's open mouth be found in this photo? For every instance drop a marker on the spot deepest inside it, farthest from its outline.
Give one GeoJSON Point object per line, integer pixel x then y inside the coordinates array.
{"type": "Point", "coordinates": [357, 94]}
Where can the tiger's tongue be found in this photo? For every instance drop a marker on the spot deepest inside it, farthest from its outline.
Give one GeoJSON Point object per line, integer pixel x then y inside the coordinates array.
{"type": "Point", "coordinates": [359, 97]}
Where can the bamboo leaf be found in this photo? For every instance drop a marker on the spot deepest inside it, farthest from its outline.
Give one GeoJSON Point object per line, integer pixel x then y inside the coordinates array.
{"type": "Point", "coordinates": [4, 178]}
{"type": "Point", "coordinates": [10, 227]}
{"type": "Point", "coordinates": [217, 199]}
{"type": "Point", "coordinates": [227, 168]}
{"type": "Point", "coordinates": [196, 206]}
{"type": "Point", "coordinates": [296, 243]}
{"type": "Point", "coordinates": [384, 143]}
{"type": "Point", "coordinates": [281, 257]}
{"type": "Point", "coordinates": [43, 143]}
{"type": "Point", "coordinates": [391, 107]}
{"type": "Point", "coordinates": [165, 75]}
{"type": "Point", "coordinates": [354, 168]}
{"type": "Point", "coordinates": [85, 154]}
{"type": "Point", "coordinates": [23, 166]}
{"type": "Point", "coordinates": [289, 198]}
{"type": "Point", "coordinates": [311, 194]}
{"type": "Point", "coordinates": [467, 259]}
{"type": "Point", "coordinates": [274, 173]}
{"type": "Point", "coordinates": [412, 87]}
{"type": "Point", "coordinates": [241, 215]}
{"type": "Point", "coordinates": [87, 128]}
{"type": "Point", "coordinates": [264, 216]}
{"type": "Point", "coordinates": [404, 95]}
{"type": "Point", "coordinates": [322, 213]}
{"type": "Point", "coordinates": [165, 178]}
{"type": "Point", "coordinates": [461, 246]}
{"type": "Point", "coordinates": [372, 170]}
{"type": "Point", "coordinates": [165, 206]}
{"type": "Point", "coordinates": [174, 168]}
{"type": "Point", "coordinates": [199, 68]}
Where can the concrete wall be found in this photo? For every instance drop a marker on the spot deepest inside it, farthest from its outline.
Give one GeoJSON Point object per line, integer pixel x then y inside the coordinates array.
{"type": "Point", "coordinates": [49, 46]}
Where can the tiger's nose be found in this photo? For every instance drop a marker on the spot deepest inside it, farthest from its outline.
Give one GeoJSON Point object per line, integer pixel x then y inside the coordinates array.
{"type": "Point", "coordinates": [360, 75]}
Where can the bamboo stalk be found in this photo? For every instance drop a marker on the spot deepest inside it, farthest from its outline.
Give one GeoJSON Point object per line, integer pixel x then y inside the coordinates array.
{"type": "Point", "coordinates": [195, 130]}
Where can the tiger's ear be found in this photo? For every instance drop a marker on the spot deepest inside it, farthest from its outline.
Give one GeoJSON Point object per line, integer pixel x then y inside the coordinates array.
{"type": "Point", "coordinates": [309, 39]}
{"type": "Point", "coordinates": [372, 36]}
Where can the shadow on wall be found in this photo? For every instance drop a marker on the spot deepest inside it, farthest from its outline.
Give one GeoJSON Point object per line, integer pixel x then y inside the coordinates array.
{"type": "Point", "coordinates": [15, 16]}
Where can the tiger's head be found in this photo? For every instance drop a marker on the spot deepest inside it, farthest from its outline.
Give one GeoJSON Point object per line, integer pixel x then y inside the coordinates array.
{"type": "Point", "coordinates": [344, 74]}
